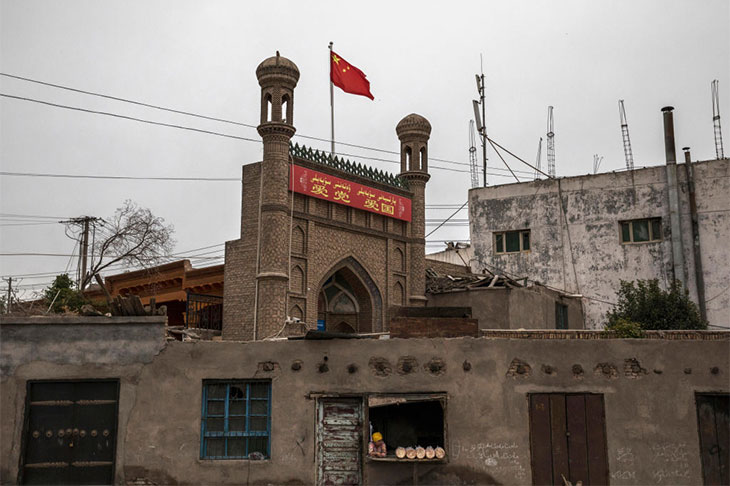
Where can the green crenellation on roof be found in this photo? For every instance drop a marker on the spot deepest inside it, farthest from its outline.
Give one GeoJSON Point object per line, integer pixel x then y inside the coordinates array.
{"type": "Point", "coordinates": [355, 168]}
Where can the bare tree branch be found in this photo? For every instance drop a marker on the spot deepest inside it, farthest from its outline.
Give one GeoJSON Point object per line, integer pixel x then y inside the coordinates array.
{"type": "Point", "coordinates": [133, 236]}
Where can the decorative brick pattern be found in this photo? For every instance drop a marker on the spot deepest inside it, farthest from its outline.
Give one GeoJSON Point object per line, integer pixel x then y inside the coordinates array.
{"type": "Point", "coordinates": [325, 237]}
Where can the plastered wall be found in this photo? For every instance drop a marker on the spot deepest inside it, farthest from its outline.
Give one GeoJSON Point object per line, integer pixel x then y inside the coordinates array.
{"type": "Point", "coordinates": [648, 386]}
{"type": "Point", "coordinates": [575, 238]}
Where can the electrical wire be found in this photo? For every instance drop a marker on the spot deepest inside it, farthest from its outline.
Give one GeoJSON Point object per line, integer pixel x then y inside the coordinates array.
{"type": "Point", "coordinates": [503, 161]}
{"type": "Point", "coordinates": [183, 127]}
{"type": "Point", "coordinates": [444, 222]}
{"type": "Point", "coordinates": [13, 215]}
{"type": "Point", "coordinates": [211, 118]}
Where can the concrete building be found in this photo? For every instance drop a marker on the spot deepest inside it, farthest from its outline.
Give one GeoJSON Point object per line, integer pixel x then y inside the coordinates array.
{"type": "Point", "coordinates": [325, 241]}
{"type": "Point", "coordinates": [108, 400]}
{"type": "Point", "coordinates": [584, 234]}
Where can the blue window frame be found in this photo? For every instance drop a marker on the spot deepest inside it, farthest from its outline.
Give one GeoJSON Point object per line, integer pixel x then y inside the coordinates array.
{"type": "Point", "coordinates": [236, 419]}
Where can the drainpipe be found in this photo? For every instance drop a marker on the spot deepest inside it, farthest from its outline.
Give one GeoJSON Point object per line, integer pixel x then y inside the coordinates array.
{"type": "Point", "coordinates": [673, 190]}
{"type": "Point", "coordinates": [699, 275]}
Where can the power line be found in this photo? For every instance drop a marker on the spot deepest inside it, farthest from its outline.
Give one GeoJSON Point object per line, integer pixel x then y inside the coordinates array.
{"type": "Point", "coordinates": [12, 215]}
{"type": "Point", "coordinates": [138, 178]}
{"type": "Point", "coordinates": [444, 222]}
{"type": "Point", "coordinates": [207, 117]}
{"type": "Point", "coordinates": [111, 177]}
{"type": "Point", "coordinates": [181, 254]}
{"type": "Point", "coordinates": [26, 224]}
{"type": "Point", "coordinates": [125, 117]}
{"type": "Point", "coordinates": [209, 132]}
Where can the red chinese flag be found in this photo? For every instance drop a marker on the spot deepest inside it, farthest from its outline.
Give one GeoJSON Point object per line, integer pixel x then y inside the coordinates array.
{"type": "Point", "coordinates": [348, 78]}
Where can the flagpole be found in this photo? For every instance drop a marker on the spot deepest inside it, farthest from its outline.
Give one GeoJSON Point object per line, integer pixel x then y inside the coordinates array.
{"type": "Point", "coordinates": [332, 105]}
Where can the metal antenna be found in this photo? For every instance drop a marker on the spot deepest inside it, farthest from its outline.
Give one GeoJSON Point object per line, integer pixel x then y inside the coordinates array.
{"type": "Point", "coordinates": [625, 134]}
{"type": "Point", "coordinates": [473, 162]}
{"type": "Point", "coordinates": [597, 159]}
{"type": "Point", "coordinates": [538, 159]}
{"type": "Point", "coordinates": [550, 143]}
{"type": "Point", "coordinates": [716, 119]}
{"type": "Point", "coordinates": [481, 119]}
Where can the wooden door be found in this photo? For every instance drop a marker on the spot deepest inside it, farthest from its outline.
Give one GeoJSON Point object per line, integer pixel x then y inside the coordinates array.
{"type": "Point", "coordinates": [568, 438]}
{"type": "Point", "coordinates": [70, 432]}
{"type": "Point", "coordinates": [712, 416]}
{"type": "Point", "coordinates": [339, 441]}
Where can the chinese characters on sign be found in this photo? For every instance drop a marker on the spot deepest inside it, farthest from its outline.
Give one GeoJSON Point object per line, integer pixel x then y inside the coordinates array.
{"type": "Point", "coordinates": [340, 191]}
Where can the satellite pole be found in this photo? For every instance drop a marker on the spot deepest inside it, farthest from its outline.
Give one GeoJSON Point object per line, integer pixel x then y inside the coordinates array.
{"type": "Point", "coordinates": [550, 143]}
{"type": "Point", "coordinates": [473, 163]}
{"type": "Point", "coordinates": [480, 119]}
{"type": "Point", "coordinates": [625, 134]}
{"type": "Point", "coordinates": [719, 153]}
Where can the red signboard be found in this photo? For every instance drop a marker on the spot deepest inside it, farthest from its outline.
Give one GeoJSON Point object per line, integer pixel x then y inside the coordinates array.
{"type": "Point", "coordinates": [340, 191]}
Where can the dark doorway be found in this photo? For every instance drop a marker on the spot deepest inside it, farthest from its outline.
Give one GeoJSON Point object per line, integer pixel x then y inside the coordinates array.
{"type": "Point", "coordinates": [714, 426]}
{"type": "Point", "coordinates": [568, 438]}
{"type": "Point", "coordinates": [344, 304]}
{"type": "Point", "coordinates": [70, 432]}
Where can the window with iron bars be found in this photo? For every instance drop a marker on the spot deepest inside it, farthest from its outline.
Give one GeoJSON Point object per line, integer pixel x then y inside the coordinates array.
{"type": "Point", "coordinates": [236, 420]}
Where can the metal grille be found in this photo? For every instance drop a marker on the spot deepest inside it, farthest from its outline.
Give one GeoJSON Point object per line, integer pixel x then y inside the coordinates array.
{"type": "Point", "coordinates": [324, 158]}
{"type": "Point", "coordinates": [236, 420]}
{"type": "Point", "coordinates": [204, 312]}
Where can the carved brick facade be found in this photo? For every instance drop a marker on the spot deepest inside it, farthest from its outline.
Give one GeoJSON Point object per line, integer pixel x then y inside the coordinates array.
{"type": "Point", "coordinates": [314, 259]}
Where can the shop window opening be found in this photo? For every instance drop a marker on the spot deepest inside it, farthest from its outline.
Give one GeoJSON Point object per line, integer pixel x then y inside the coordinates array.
{"type": "Point", "coordinates": [409, 422]}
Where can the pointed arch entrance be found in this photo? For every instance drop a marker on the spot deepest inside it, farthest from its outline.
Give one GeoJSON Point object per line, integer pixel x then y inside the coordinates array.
{"type": "Point", "coordinates": [348, 300]}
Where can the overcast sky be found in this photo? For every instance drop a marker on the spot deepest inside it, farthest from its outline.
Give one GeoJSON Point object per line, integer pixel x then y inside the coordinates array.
{"type": "Point", "coordinates": [579, 56]}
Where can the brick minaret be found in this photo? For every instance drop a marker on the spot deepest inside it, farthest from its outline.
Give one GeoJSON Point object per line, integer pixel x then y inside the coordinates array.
{"type": "Point", "coordinates": [413, 132]}
{"type": "Point", "coordinates": [277, 77]}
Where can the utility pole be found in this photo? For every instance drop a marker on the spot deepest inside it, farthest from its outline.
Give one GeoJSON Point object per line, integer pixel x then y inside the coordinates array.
{"type": "Point", "coordinates": [538, 159]}
{"type": "Point", "coordinates": [628, 154]}
{"type": "Point", "coordinates": [85, 223]}
{"type": "Point", "coordinates": [10, 294]}
{"type": "Point", "coordinates": [481, 121]}
{"type": "Point", "coordinates": [550, 143]}
{"type": "Point", "coordinates": [84, 251]}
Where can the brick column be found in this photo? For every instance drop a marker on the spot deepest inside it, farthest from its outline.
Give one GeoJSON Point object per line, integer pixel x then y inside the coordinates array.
{"type": "Point", "coordinates": [277, 77]}
{"type": "Point", "coordinates": [414, 132]}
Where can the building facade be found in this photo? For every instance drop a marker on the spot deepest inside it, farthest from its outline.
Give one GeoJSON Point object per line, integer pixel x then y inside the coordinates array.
{"type": "Point", "coordinates": [96, 400]}
{"type": "Point", "coordinates": [325, 241]}
{"type": "Point", "coordinates": [585, 234]}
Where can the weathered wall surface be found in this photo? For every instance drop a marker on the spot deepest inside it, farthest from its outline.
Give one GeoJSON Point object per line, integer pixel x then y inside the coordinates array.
{"type": "Point", "coordinates": [575, 233]}
{"type": "Point", "coordinates": [505, 308]}
{"type": "Point", "coordinates": [61, 348]}
{"type": "Point", "coordinates": [96, 340]}
{"type": "Point", "coordinates": [649, 398]}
